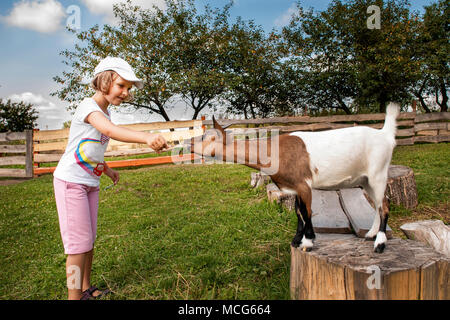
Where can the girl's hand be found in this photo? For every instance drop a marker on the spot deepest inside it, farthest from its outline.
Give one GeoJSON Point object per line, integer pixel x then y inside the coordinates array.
{"type": "Point", "coordinates": [157, 142]}
{"type": "Point", "coordinates": [114, 175]}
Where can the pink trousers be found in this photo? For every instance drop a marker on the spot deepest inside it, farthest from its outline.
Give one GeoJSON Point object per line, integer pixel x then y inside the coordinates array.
{"type": "Point", "coordinates": [77, 206]}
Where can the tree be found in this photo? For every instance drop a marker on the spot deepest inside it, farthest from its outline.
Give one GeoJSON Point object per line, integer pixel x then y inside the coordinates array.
{"type": "Point", "coordinates": [197, 53]}
{"type": "Point", "coordinates": [323, 59]}
{"type": "Point", "coordinates": [171, 50]}
{"type": "Point", "coordinates": [344, 63]}
{"type": "Point", "coordinates": [139, 39]}
{"type": "Point", "coordinates": [386, 62]}
{"type": "Point", "coordinates": [17, 116]}
{"type": "Point", "coordinates": [254, 67]}
{"type": "Point", "coordinates": [434, 46]}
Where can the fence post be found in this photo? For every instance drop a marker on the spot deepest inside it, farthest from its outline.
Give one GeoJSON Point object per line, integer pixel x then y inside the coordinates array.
{"type": "Point", "coordinates": [414, 105]}
{"type": "Point", "coordinates": [203, 126]}
{"type": "Point", "coordinates": [35, 165]}
{"type": "Point", "coordinates": [29, 153]}
{"type": "Point", "coordinates": [204, 130]}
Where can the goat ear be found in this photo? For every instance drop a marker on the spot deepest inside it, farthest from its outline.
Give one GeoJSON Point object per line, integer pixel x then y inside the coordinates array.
{"type": "Point", "coordinates": [217, 126]}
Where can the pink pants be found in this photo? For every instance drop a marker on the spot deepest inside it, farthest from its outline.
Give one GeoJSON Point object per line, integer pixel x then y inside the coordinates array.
{"type": "Point", "coordinates": [77, 206]}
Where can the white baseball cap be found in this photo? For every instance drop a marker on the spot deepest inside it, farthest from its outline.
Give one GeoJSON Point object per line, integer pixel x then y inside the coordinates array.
{"type": "Point", "coordinates": [121, 67]}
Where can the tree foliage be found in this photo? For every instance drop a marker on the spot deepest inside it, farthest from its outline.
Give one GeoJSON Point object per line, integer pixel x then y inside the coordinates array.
{"type": "Point", "coordinates": [175, 51]}
{"type": "Point", "coordinates": [255, 85]}
{"type": "Point", "coordinates": [344, 64]}
{"type": "Point", "coordinates": [433, 52]}
{"type": "Point", "coordinates": [328, 60]}
{"type": "Point", "coordinates": [16, 116]}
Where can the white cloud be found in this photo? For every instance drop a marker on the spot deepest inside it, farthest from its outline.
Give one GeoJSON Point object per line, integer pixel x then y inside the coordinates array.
{"type": "Point", "coordinates": [284, 19]}
{"type": "Point", "coordinates": [37, 100]}
{"type": "Point", "coordinates": [105, 7]}
{"type": "Point", "coordinates": [43, 16]}
{"type": "Point", "coordinates": [51, 116]}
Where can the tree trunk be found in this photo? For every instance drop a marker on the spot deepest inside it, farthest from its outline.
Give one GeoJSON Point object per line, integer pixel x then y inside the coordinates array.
{"type": "Point", "coordinates": [382, 101]}
{"type": "Point", "coordinates": [418, 94]}
{"type": "Point", "coordinates": [401, 187]}
{"type": "Point", "coordinates": [443, 89]}
{"type": "Point", "coordinates": [422, 102]}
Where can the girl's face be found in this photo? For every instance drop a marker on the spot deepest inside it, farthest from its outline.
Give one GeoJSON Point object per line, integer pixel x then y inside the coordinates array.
{"type": "Point", "coordinates": [119, 91]}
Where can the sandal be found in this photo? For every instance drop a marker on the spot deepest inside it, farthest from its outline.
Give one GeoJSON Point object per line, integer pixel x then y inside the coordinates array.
{"type": "Point", "coordinates": [87, 294]}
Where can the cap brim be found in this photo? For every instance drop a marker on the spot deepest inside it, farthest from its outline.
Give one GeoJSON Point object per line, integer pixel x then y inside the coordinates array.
{"type": "Point", "coordinates": [132, 78]}
{"type": "Point", "coordinates": [127, 76]}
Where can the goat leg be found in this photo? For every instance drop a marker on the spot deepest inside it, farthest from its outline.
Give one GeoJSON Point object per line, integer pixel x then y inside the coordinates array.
{"type": "Point", "coordinates": [300, 226]}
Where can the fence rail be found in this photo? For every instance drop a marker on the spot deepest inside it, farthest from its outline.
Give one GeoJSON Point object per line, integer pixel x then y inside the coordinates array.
{"type": "Point", "coordinates": [412, 127]}
{"type": "Point", "coordinates": [49, 145]}
{"type": "Point", "coordinates": [25, 152]}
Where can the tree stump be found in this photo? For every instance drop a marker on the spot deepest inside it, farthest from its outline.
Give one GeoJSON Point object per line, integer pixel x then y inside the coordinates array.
{"type": "Point", "coordinates": [432, 232]}
{"type": "Point", "coordinates": [401, 186]}
{"type": "Point", "coordinates": [259, 179]}
{"type": "Point", "coordinates": [287, 200]}
{"type": "Point", "coordinates": [344, 267]}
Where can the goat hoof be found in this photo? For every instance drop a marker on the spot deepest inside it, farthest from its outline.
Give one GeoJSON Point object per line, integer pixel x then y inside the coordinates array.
{"type": "Point", "coordinates": [295, 244]}
{"type": "Point", "coordinates": [370, 238]}
{"type": "Point", "coordinates": [380, 248]}
{"type": "Point", "coordinates": [306, 249]}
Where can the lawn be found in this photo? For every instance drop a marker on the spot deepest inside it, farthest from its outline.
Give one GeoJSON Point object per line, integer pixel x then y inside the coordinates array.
{"type": "Point", "coordinates": [181, 232]}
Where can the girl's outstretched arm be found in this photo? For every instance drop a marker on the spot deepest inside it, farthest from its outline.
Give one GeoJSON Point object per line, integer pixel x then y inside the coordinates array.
{"type": "Point", "coordinates": [105, 126]}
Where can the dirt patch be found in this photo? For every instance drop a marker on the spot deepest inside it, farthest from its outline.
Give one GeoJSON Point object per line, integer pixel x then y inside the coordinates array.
{"type": "Point", "coordinates": [11, 181]}
{"type": "Point", "coordinates": [439, 212]}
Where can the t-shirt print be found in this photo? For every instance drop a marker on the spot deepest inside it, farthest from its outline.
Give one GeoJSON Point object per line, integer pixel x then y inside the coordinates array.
{"type": "Point", "coordinates": [85, 148]}
{"type": "Point", "coordinates": [87, 154]}
{"type": "Point", "coordinates": [104, 139]}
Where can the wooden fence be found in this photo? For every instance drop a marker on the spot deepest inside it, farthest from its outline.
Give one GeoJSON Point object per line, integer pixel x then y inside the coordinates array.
{"type": "Point", "coordinates": [48, 146]}
{"type": "Point", "coordinates": [22, 153]}
{"type": "Point", "coordinates": [412, 127]}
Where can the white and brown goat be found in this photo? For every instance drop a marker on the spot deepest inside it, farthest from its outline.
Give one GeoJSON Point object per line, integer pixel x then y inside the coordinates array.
{"type": "Point", "coordinates": [300, 161]}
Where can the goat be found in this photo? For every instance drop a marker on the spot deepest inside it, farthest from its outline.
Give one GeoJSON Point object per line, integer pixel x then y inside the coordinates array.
{"type": "Point", "coordinates": [332, 159]}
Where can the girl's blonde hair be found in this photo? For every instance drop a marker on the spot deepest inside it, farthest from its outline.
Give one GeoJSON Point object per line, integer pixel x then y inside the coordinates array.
{"type": "Point", "coordinates": [103, 81]}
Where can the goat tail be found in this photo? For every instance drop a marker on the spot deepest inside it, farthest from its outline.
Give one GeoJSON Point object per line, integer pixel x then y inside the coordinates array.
{"type": "Point", "coordinates": [390, 124]}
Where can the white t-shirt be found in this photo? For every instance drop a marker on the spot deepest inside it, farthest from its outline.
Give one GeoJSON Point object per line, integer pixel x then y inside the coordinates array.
{"type": "Point", "coordinates": [85, 149]}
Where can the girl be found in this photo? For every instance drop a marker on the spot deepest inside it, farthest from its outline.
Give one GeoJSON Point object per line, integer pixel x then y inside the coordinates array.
{"type": "Point", "coordinates": [76, 178]}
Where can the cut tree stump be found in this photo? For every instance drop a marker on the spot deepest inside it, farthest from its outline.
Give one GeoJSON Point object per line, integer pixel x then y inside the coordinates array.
{"type": "Point", "coordinates": [432, 232]}
{"type": "Point", "coordinates": [401, 187]}
{"type": "Point", "coordinates": [345, 267]}
{"type": "Point", "coordinates": [259, 179]}
{"type": "Point", "coordinates": [275, 194]}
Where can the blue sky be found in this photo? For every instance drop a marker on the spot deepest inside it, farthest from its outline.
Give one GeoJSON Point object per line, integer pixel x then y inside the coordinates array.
{"type": "Point", "coordinates": [32, 35]}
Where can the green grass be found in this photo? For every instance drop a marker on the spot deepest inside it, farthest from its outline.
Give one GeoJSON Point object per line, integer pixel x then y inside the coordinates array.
{"type": "Point", "coordinates": [432, 174]}
{"type": "Point", "coordinates": [175, 232]}
{"type": "Point", "coordinates": [431, 166]}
